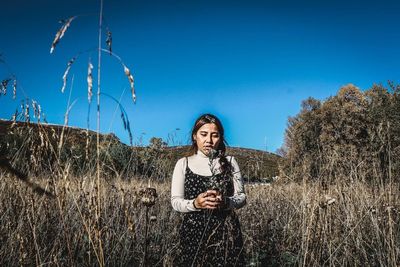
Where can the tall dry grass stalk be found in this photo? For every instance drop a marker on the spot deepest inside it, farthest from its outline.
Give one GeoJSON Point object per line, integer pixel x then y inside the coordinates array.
{"type": "Point", "coordinates": [98, 188]}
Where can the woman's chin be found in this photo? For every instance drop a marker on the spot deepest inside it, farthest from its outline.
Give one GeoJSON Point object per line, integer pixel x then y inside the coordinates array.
{"type": "Point", "coordinates": [206, 151]}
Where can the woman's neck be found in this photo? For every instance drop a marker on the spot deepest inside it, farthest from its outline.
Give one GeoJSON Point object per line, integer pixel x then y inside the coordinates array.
{"type": "Point", "coordinates": [200, 154]}
{"type": "Point", "coordinates": [200, 164]}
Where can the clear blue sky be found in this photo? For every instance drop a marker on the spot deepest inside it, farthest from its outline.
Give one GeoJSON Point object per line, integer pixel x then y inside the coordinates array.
{"type": "Point", "coordinates": [249, 62]}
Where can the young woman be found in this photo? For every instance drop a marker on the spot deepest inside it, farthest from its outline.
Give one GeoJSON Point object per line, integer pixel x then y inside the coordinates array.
{"type": "Point", "coordinates": [206, 187]}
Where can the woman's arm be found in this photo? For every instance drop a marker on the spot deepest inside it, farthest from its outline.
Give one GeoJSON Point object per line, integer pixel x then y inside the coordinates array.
{"type": "Point", "coordinates": [178, 189]}
{"type": "Point", "coordinates": [238, 199]}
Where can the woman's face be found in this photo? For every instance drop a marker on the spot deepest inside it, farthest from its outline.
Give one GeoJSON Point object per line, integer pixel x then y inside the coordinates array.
{"type": "Point", "coordinates": [207, 138]}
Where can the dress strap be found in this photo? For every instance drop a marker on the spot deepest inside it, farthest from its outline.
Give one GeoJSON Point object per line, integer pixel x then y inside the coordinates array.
{"type": "Point", "coordinates": [187, 165]}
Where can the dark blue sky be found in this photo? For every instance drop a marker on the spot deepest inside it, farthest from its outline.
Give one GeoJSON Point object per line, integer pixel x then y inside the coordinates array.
{"type": "Point", "coordinates": [249, 62]}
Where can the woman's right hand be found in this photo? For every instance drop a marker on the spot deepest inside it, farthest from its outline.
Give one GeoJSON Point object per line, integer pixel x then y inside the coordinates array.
{"type": "Point", "coordinates": [208, 200]}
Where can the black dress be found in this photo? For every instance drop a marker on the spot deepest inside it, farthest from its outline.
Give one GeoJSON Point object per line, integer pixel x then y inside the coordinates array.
{"type": "Point", "coordinates": [209, 237]}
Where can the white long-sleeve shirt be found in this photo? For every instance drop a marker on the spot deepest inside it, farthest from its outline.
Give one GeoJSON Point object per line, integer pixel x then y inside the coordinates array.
{"type": "Point", "coordinates": [200, 164]}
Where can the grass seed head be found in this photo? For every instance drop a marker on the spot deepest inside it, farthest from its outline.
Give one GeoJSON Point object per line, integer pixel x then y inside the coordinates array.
{"type": "Point", "coordinates": [35, 109]}
{"type": "Point", "coordinates": [148, 196]}
{"type": "Point", "coordinates": [109, 41]}
{"type": "Point", "coordinates": [4, 85]}
{"type": "Point", "coordinates": [15, 88]}
{"type": "Point", "coordinates": [90, 82]}
{"type": "Point", "coordinates": [70, 62]}
{"type": "Point", "coordinates": [131, 81]}
{"type": "Point", "coordinates": [26, 111]}
{"type": "Point", "coordinates": [61, 32]}
{"type": "Point", "coordinates": [15, 116]}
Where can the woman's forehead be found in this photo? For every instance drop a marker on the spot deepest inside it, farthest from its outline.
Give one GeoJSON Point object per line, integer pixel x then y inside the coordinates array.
{"type": "Point", "coordinates": [209, 127]}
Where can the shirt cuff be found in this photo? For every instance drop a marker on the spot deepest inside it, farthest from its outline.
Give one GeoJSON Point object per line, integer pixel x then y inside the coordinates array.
{"type": "Point", "coordinates": [236, 202]}
{"type": "Point", "coordinates": [190, 205]}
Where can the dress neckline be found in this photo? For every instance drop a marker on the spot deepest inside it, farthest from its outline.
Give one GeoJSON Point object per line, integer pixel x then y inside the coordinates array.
{"type": "Point", "coordinates": [190, 170]}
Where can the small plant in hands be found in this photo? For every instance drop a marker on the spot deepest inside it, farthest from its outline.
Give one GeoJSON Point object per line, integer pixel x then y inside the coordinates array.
{"type": "Point", "coordinates": [213, 198]}
{"type": "Point", "coordinates": [214, 184]}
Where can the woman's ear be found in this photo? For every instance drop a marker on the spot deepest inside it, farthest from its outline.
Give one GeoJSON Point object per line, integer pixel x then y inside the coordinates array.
{"type": "Point", "coordinates": [194, 137]}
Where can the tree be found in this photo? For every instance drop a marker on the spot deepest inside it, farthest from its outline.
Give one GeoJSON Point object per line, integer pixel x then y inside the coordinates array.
{"type": "Point", "coordinates": [352, 135]}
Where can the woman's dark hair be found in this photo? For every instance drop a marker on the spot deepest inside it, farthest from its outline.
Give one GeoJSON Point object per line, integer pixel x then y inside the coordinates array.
{"type": "Point", "coordinates": [226, 167]}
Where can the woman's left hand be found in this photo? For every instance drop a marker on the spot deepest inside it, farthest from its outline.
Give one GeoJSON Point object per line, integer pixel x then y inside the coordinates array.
{"type": "Point", "coordinates": [207, 200]}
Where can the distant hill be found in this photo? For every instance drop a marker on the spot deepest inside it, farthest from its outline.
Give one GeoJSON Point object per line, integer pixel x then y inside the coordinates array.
{"type": "Point", "coordinates": [44, 147]}
{"type": "Point", "coordinates": [254, 164]}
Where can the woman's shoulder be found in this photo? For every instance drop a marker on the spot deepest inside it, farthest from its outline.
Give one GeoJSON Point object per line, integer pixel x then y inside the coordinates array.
{"type": "Point", "coordinates": [232, 161]}
{"type": "Point", "coordinates": [181, 162]}
{"type": "Point", "coordinates": [230, 158]}
{"type": "Point", "coordinates": [180, 165]}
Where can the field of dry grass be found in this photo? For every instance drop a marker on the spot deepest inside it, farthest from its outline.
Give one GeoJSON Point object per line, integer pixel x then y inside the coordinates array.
{"type": "Point", "coordinates": [284, 224]}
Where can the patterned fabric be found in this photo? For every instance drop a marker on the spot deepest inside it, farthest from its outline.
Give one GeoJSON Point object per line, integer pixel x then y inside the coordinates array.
{"type": "Point", "coordinates": [209, 237]}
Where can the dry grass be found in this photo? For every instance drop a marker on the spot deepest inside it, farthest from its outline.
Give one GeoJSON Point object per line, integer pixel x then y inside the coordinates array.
{"type": "Point", "coordinates": [343, 225]}
{"type": "Point", "coordinates": [283, 224]}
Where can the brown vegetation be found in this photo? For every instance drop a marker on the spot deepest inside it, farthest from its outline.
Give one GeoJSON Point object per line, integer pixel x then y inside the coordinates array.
{"type": "Point", "coordinates": [353, 136]}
